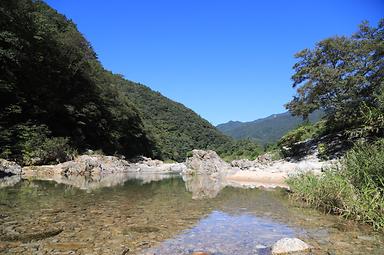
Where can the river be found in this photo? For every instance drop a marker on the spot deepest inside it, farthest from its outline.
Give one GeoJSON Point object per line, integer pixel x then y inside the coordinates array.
{"type": "Point", "coordinates": [165, 215]}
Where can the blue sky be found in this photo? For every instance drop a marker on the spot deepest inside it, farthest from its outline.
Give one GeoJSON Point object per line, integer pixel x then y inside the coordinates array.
{"type": "Point", "coordinates": [226, 60]}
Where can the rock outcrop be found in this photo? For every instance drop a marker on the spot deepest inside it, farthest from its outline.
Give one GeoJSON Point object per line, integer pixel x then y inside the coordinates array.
{"type": "Point", "coordinates": [145, 164]}
{"type": "Point", "coordinates": [207, 162]}
{"type": "Point", "coordinates": [84, 165]}
{"type": "Point", "coordinates": [205, 174]}
{"type": "Point", "coordinates": [84, 170]}
{"type": "Point", "coordinates": [290, 246]}
{"type": "Point", "coordinates": [9, 167]}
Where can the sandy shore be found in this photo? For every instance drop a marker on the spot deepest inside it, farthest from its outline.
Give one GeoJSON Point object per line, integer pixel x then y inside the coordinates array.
{"type": "Point", "coordinates": [258, 179]}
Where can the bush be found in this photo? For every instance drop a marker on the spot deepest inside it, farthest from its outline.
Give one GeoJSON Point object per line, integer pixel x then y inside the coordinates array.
{"type": "Point", "coordinates": [327, 192]}
{"type": "Point", "coordinates": [53, 150]}
{"type": "Point", "coordinates": [301, 133]}
{"type": "Point", "coordinates": [239, 149]}
{"type": "Point", "coordinates": [33, 145]}
{"type": "Point", "coordinates": [355, 191]}
{"type": "Point", "coordinates": [364, 165]}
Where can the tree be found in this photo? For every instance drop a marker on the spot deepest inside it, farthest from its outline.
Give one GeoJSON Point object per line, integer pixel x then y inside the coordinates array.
{"type": "Point", "coordinates": [54, 89]}
{"type": "Point", "coordinates": [341, 75]}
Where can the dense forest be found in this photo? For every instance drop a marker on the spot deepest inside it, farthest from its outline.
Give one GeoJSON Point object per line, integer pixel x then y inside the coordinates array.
{"type": "Point", "coordinates": [56, 99]}
{"type": "Point", "coordinates": [55, 95]}
{"type": "Point", "coordinates": [175, 129]}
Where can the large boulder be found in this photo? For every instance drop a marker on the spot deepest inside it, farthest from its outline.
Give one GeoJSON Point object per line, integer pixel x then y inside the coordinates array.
{"type": "Point", "coordinates": [9, 167]}
{"type": "Point", "coordinates": [207, 162]}
{"type": "Point", "coordinates": [290, 246]}
{"type": "Point", "coordinates": [94, 165]}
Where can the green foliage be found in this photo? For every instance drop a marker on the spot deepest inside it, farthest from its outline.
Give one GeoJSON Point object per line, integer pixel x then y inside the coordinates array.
{"type": "Point", "coordinates": [175, 129]}
{"type": "Point", "coordinates": [343, 76]}
{"type": "Point", "coordinates": [239, 149]}
{"type": "Point", "coordinates": [365, 165]}
{"type": "Point", "coordinates": [355, 191]}
{"type": "Point", "coordinates": [372, 118]}
{"type": "Point", "coordinates": [301, 133]}
{"type": "Point", "coordinates": [50, 76]}
{"type": "Point", "coordinates": [328, 192]}
{"type": "Point", "coordinates": [35, 146]}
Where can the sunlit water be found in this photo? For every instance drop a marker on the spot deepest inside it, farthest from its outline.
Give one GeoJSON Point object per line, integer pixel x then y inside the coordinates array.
{"type": "Point", "coordinates": [155, 216]}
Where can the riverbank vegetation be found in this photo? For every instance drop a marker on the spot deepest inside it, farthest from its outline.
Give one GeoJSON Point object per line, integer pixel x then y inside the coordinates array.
{"type": "Point", "coordinates": [354, 190]}
{"type": "Point", "coordinates": [344, 76]}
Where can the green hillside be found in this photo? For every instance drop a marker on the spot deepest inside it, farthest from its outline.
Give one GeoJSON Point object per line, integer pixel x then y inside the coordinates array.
{"type": "Point", "coordinates": [56, 98]}
{"type": "Point", "coordinates": [175, 129]}
{"type": "Point", "coordinates": [267, 130]}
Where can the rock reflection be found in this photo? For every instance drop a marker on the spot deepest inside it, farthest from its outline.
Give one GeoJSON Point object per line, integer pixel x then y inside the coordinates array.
{"type": "Point", "coordinates": [204, 186]}
{"type": "Point", "coordinates": [9, 181]}
{"type": "Point", "coordinates": [94, 182]}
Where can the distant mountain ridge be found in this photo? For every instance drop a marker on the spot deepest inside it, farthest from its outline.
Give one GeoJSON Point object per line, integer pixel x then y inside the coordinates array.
{"type": "Point", "coordinates": [265, 130]}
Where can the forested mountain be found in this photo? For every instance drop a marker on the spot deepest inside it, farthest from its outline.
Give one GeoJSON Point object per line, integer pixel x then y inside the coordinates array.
{"type": "Point", "coordinates": [174, 128]}
{"type": "Point", "coordinates": [266, 130]}
{"type": "Point", "coordinates": [56, 98]}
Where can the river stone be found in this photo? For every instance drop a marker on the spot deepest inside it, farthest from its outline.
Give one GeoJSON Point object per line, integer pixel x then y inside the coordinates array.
{"type": "Point", "coordinates": [9, 167]}
{"type": "Point", "coordinates": [290, 246]}
{"type": "Point", "coordinates": [207, 162]}
{"type": "Point", "coordinates": [27, 237]}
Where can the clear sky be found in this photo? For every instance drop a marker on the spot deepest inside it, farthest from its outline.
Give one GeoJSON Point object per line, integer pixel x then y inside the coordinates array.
{"type": "Point", "coordinates": [226, 60]}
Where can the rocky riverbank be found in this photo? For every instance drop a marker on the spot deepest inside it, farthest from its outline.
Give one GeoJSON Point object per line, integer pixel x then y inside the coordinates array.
{"type": "Point", "coordinates": [262, 172]}
{"type": "Point", "coordinates": [93, 171]}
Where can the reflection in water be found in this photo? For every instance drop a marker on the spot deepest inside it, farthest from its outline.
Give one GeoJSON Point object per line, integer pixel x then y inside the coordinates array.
{"type": "Point", "coordinates": [135, 216]}
{"type": "Point", "coordinates": [203, 186]}
{"type": "Point", "coordinates": [103, 181]}
{"type": "Point", "coordinates": [222, 233]}
{"type": "Point", "coordinates": [9, 181]}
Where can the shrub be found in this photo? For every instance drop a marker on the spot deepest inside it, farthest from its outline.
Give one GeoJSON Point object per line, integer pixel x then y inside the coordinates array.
{"type": "Point", "coordinates": [364, 165]}
{"type": "Point", "coordinates": [53, 150]}
{"type": "Point", "coordinates": [239, 149]}
{"type": "Point", "coordinates": [355, 191]}
{"type": "Point", "coordinates": [34, 146]}
{"type": "Point", "coordinates": [328, 192]}
{"type": "Point", "coordinates": [302, 133]}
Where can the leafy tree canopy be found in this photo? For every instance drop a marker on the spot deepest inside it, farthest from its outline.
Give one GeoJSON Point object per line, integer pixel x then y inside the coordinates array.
{"type": "Point", "coordinates": [345, 77]}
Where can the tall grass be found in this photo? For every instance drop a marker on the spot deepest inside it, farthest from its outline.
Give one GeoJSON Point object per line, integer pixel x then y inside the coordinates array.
{"type": "Point", "coordinates": [355, 190]}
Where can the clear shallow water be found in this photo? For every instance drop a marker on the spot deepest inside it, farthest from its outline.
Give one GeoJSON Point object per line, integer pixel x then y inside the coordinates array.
{"type": "Point", "coordinates": [148, 216]}
{"type": "Point", "coordinates": [223, 233]}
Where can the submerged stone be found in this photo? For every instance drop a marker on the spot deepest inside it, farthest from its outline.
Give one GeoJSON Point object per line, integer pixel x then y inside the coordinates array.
{"type": "Point", "coordinates": [27, 237]}
{"type": "Point", "coordinates": [144, 229]}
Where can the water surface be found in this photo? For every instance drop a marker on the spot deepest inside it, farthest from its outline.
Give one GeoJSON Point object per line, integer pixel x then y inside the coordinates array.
{"type": "Point", "coordinates": [159, 216]}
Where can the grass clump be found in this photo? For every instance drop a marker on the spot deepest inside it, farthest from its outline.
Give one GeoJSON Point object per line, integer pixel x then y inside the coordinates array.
{"type": "Point", "coordinates": [355, 190]}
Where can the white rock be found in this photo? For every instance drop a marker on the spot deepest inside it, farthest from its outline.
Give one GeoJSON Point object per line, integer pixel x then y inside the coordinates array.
{"type": "Point", "coordinates": [9, 167]}
{"type": "Point", "coordinates": [207, 162]}
{"type": "Point", "coordinates": [290, 245]}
